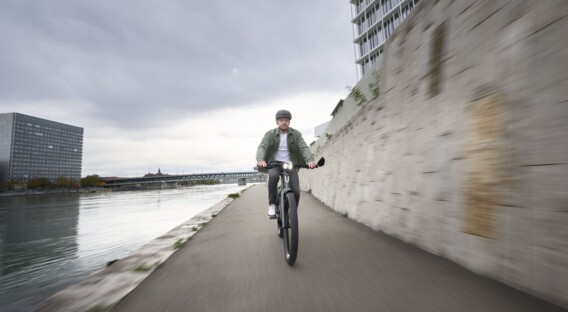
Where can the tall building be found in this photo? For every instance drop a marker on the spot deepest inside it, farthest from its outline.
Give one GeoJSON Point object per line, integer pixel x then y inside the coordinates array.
{"type": "Point", "coordinates": [32, 147]}
{"type": "Point", "coordinates": [374, 21]}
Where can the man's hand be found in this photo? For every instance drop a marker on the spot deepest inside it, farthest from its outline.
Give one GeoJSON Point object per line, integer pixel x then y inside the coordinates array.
{"type": "Point", "coordinates": [262, 163]}
{"type": "Point", "coordinates": [311, 165]}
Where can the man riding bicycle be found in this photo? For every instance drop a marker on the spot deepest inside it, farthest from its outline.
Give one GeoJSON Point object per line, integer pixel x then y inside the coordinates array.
{"type": "Point", "coordinates": [282, 145]}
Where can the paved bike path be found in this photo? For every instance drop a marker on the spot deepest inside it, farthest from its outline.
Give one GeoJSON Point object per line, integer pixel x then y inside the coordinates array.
{"type": "Point", "coordinates": [236, 263]}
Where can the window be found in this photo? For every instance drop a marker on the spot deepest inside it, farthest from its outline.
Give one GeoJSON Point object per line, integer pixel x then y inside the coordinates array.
{"type": "Point", "coordinates": [406, 10]}
{"type": "Point", "coordinates": [378, 14]}
{"type": "Point", "coordinates": [396, 19]}
{"type": "Point", "coordinates": [371, 17]}
{"type": "Point", "coordinates": [380, 35]}
{"type": "Point", "coordinates": [387, 6]}
{"type": "Point", "coordinates": [389, 27]}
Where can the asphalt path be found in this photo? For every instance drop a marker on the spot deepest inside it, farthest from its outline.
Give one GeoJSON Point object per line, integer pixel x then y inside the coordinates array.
{"type": "Point", "coordinates": [236, 263]}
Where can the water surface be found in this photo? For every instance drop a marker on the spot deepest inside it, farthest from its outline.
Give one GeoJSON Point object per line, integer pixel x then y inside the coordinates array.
{"type": "Point", "coordinates": [49, 242]}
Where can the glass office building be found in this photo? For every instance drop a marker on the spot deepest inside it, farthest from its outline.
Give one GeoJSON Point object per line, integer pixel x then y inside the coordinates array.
{"type": "Point", "coordinates": [374, 21]}
{"type": "Point", "coordinates": [32, 147]}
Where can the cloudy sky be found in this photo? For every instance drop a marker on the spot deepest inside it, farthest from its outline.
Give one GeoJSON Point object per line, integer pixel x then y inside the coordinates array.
{"type": "Point", "coordinates": [182, 85]}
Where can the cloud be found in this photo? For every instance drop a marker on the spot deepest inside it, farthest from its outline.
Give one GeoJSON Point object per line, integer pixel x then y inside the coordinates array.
{"type": "Point", "coordinates": [126, 70]}
{"type": "Point", "coordinates": [221, 140]}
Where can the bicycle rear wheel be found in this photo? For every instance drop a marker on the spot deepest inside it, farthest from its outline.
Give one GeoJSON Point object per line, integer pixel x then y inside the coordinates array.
{"type": "Point", "coordinates": [290, 228]}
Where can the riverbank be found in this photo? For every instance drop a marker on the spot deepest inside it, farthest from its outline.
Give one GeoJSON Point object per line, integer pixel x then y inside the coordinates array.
{"type": "Point", "coordinates": [55, 192]}
{"type": "Point", "coordinates": [105, 288]}
{"type": "Point", "coordinates": [87, 190]}
{"type": "Point", "coordinates": [45, 192]}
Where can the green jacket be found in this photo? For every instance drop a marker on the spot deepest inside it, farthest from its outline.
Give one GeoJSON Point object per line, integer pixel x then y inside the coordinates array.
{"type": "Point", "coordinates": [300, 153]}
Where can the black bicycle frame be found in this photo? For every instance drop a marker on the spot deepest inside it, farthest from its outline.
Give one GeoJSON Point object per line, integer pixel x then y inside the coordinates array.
{"type": "Point", "coordinates": [282, 191]}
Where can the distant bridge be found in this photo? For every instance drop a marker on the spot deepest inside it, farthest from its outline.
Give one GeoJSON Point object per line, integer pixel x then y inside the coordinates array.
{"type": "Point", "coordinates": [223, 177]}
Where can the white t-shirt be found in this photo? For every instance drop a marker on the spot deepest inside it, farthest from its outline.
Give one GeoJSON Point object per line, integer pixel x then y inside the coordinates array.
{"type": "Point", "coordinates": [283, 154]}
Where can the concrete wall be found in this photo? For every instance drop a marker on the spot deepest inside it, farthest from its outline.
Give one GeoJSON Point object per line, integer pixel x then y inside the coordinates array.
{"type": "Point", "coordinates": [465, 153]}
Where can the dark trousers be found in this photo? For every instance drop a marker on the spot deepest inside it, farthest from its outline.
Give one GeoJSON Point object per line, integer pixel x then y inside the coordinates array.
{"type": "Point", "coordinates": [274, 175]}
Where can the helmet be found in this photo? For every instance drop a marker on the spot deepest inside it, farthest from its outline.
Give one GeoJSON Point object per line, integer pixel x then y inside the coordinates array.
{"type": "Point", "coordinates": [283, 114]}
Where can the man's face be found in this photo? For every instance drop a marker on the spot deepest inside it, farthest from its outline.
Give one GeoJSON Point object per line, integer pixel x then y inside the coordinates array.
{"type": "Point", "coordinates": [283, 124]}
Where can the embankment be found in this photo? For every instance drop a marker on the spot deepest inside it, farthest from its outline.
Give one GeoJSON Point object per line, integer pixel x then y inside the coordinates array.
{"type": "Point", "coordinates": [465, 152]}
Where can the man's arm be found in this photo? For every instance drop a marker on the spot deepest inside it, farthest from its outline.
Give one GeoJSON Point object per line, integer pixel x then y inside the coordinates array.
{"type": "Point", "coordinates": [261, 150]}
{"type": "Point", "coordinates": [305, 151]}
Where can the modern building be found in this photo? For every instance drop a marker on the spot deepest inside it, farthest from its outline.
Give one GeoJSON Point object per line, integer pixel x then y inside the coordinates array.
{"type": "Point", "coordinates": [32, 147]}
{"type": "Point", "coordinates": [374, 21]}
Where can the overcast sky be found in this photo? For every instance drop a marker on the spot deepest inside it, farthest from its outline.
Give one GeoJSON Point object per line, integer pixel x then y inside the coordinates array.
{"type": "Point", "coordinates": [181, 85]}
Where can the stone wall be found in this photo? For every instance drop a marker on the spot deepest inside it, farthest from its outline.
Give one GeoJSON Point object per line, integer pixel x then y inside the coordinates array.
{"type": "Point", "coordinates": [343, 112]}
{"type": "Point", "coordinates": [465, 152]}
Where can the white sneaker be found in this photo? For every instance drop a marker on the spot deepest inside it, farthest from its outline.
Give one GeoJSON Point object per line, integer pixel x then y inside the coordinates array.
{"type": "Point", "coordinates": [272, 211]}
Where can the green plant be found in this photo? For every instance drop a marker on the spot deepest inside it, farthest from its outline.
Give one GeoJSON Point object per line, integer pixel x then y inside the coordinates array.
{"type": "Point", "coordinates": [374, 85]}
{"type": "Point", "coordinates": [98, 308]}
{"type": "Point", "coordinates": [234, 195]}
{"type": "Point", "coordinates": [142, 268]}
{"type": "Point", "coordinates": [359, 97]}
{"type": "Point", "coordinates": [180, 243]}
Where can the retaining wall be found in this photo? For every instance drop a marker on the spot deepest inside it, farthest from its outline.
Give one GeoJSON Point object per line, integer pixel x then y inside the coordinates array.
{"type": "Point", "coordinates": [465, 152]}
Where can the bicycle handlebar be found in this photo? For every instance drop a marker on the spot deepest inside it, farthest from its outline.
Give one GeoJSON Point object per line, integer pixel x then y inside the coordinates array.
{"type": "Point", "coordinates": [320, 163]}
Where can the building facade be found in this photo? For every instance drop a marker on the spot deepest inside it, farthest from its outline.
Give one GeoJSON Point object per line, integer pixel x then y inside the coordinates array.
{"type": "Point", "coordinates": [32, 147]}
{"type": "Point", "coordinates": [374, 21]}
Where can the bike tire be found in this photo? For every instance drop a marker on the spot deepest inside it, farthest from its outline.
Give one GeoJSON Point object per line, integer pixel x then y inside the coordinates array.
{"type": "Point", "coordinates": [279, 227]}
{"type": "Point", "coordinates": [279, 217]}
{"type": "Point", "coordinates": [290, 228]}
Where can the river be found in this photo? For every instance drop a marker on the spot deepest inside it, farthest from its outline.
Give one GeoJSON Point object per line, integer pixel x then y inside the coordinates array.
{"type": "Point", "coordinates": [49, 242]}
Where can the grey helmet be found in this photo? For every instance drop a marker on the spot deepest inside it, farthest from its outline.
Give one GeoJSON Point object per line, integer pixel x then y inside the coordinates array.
{"type": "Point", "coordinates": [283, 114]}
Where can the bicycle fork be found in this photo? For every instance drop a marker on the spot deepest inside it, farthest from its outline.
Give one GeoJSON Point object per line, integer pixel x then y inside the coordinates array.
{"type": "Point", "coordinates": [285, 190]}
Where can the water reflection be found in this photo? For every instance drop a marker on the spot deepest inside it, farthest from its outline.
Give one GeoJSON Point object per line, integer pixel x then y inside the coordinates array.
{"type": "Point", "coordinates": [37, 228]}
{"type": "Point", "coordinates": [35, 232]}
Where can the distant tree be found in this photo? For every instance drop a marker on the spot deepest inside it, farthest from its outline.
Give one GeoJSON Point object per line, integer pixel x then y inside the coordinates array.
{"type": "Point", "coordinates": [38, 183]}
{"type": "Point", "coordinates": [12, 185]}
{"type": "Point", "coordinates": [63, 182]}
{"type": "Point", "coordinates": [75, 184]}
{"type": "Point", "coordinates": [91, 181]}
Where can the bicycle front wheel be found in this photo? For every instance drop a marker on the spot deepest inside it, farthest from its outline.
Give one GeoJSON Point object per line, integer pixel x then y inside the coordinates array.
{"type": "Point", "coordinates": [290, 228]}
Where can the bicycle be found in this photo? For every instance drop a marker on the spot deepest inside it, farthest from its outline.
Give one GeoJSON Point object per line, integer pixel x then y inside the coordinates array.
{"type": "Point", "coordinates": [287, 211]}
